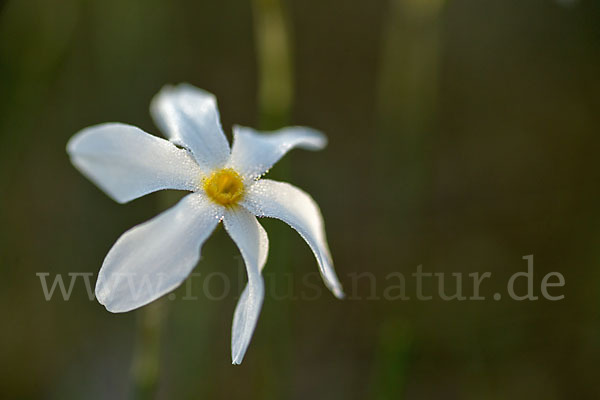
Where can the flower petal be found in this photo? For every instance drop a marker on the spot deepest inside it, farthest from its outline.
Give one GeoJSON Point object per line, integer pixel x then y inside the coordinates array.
{"type": "Point", "coordinates": [267, 198]}
{"type": "Point", "coordinates": [127, 162]}
{"type": "Point", "coordinates": [190, 118]}
{"type": "Point", "coordinates": [253, 243]}
{"type": "Point", "coordinates": [254, 153]}
{"type": "Point", "coordinates": [155, 257]}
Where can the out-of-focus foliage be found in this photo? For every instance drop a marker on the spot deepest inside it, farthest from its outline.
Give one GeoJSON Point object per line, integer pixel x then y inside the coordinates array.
{"type": "Point", "coordinates": [463, 136]}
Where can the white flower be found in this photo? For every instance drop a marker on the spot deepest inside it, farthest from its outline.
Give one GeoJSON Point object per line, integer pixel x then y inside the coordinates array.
{"type": "Point", "coordinates": [155, 257]}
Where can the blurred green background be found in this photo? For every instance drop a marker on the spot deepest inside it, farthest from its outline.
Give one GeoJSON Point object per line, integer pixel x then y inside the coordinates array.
{"type": "Point", "coordinates": [463, 136]}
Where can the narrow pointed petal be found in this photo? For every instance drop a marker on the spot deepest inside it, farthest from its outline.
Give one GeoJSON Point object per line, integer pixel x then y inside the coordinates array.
{"type": "Point", "coordinates": [267, 198]}
{"type": "Point", "coordinates": [127, 163]}
{"type": "Point", "coordinates": [190, 118]}
{"type": "Point", "coordinates": [254, 153]}
{"type": "Point", "coordinates": [253, 243]}
{"type": "Point", "coordinates": [155, 257]}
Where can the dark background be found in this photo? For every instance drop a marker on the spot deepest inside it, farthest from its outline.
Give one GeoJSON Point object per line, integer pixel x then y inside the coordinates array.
{"type": "Point", "coordinates": [463, 136]}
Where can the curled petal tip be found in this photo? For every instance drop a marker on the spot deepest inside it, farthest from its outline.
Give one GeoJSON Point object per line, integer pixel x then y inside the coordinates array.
{"type": "Point", "coordinates": [236, 359]}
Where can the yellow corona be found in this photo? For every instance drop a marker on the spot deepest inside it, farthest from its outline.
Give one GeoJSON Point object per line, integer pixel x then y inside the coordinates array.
{"type": "Point", "coordinates": [224, 187]}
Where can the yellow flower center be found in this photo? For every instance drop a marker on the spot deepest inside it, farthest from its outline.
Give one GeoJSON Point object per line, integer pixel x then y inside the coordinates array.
{"type": "Point", "coordinates": [224, 187]}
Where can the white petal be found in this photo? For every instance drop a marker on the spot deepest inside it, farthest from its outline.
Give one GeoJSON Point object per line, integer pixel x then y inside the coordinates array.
{"type": "Point", "coordinates": [127, 162]}
{"type": "Point", "coordinates": [190, 118]}
{"type": "Point", "coordinates": [254, 153]}
{"type": "Point", "coordinates": [155, 257]}
{"type": "Point", "coordinates": [295, 207]}
{"type": "Point", "coordinates": [253, 243]}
